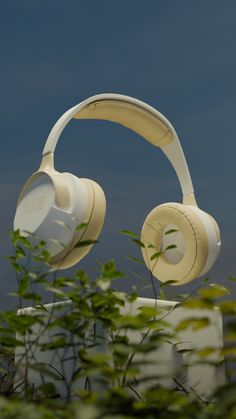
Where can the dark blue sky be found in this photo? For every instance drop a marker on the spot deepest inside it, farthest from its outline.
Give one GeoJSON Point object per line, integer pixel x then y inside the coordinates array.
{"type": "Point", "coordinates": [179, 57]}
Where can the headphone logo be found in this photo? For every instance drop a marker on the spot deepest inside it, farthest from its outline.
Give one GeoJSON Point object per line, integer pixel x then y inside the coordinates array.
{"type": "Point", "coordinates": [33, 206]}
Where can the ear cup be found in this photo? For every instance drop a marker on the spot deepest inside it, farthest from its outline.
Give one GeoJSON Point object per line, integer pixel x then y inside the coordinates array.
{"type": "Point", "coordinates": [40, 217]}
{"type": "Point", "coordinates": [188, 259]}
{"type": "Point", "coordinates": [52, 205]}
{"type": "Point", "coordinates": [94, 218]}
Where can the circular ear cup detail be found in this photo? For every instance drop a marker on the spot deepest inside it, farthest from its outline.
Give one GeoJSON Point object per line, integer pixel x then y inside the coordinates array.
{"type": "Point", "coordinates": [94, 218]}
{"type": "Point", "coordinates": [191, 237]}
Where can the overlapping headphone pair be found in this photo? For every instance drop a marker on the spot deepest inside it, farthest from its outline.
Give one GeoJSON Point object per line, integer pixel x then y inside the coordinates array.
{"type": "Point", "coordinates": [181, 242]}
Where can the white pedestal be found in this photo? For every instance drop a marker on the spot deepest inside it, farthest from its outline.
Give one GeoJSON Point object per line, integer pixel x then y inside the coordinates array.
{"type": "Point", "coordinates": [195, 376]}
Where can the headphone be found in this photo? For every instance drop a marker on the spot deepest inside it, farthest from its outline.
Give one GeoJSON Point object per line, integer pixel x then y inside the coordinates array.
{"type": "Point", "coordinates": [180, 242]}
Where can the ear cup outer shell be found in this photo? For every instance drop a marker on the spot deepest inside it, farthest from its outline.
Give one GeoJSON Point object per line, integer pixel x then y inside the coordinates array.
{"type": "Point", "coordinates": [40, 218]}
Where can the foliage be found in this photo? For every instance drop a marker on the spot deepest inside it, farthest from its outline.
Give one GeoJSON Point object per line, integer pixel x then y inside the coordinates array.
{"type": "Point", "coordinates": [91, 331]}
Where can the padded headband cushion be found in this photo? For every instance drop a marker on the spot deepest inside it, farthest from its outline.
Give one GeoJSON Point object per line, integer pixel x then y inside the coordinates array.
{"type": "Point", "coordinates": [136, 115]}
{"type": "Point", "coordinates": [132, 116]}
{"type": "Point", "coordinates": [195, 242]}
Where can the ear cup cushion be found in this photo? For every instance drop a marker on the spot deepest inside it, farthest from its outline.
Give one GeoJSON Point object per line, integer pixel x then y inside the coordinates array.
{"type": "Point", "coordinates": [216, 228]}
{"type": "Point", "coordinates": [94, 218]}
{"type": "Point", "coordinates": [195, 243]}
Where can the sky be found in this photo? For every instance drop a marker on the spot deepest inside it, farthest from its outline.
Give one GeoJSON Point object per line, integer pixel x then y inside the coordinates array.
{"type": "Point", "coordinates": [178, 56]}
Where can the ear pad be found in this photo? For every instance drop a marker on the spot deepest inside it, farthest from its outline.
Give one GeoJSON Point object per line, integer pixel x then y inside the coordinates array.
{"type": "Point", "coordinates": [94, 218]}
{"type": "Point", "coordinates": [194, 244]}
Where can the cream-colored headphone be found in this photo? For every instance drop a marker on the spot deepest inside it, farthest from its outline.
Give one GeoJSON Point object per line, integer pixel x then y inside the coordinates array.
{"type": "Point", "coordinates": [52, 204]}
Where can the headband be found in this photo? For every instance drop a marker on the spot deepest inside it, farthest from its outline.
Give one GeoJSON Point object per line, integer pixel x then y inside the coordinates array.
{"type": "Point", "coordinates": [137, 116]}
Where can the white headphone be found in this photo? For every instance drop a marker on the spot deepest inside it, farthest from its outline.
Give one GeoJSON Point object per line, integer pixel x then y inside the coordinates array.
{"type": "Point", "coordinates": [52, 204]}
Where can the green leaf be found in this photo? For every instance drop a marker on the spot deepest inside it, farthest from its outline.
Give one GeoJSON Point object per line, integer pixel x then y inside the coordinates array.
{"type": "Point", "coordinates": [231, 336]}
{"type": "Point", "coordinates": [228, 307]}
{"type": "Point", "coordinates": [167, 283]}
{"type": "Point", "coordinates": [162, 294]}
{"type": "Point", "coordinates": [40, 245]}
{"type": "Point", "coordinates": [20, 252]}
{"type": "Point", "coordinates": [128, 233]}
{"type": "Point", "coordinates": [57, 291]}
{"type": "Point", "coordinates": [229, 351]}
{"type": "Point", "coordinates": [205, 352]}
{"type": "Point", "coordinates": [22, 323]}
{"type": "Point", "coordinates": [138, 242]}
{"type": "Point", "coordinates": [16, 267]}
{"type": "Point", "coordinates": [81, 226]}
{"type": "Point", "coordinates": [23, 284]}
{"type": "Point", "coordinates": [214, 291]}
{"type": "Point", "coordinates": [135, 260]}
{"type": "Point", "coordinates": [197, 303]}
{"type": "Point", "coordinates": [83, 278]}
{"type": "Point", "coordinates": [43, 257]}
{"type": "Point", "coordinates": [55, 343]}
{"type": "Point", "coordinates": [156, 255]}
{"type": "Point", "coordinates": [17, 237]}
{"type": "Point", "coordinates": [10, 341]}
{"type": "Point", "coordinates": [194, 323]}
{"type": "Point", "coordinates": [133, 295]}
{"type": "Point", "coordinates": [148, 312]}
{"type": "Point", "coordinates": [94, 359]}
{"type": "Point", "coordinates": [109, 270]}
{"type": "Point", "coordinates": [171, 246]}
{"type": "Point", "coordinates": [84, 243]}
{"type": "Point", "coordinates": [25, 242]}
